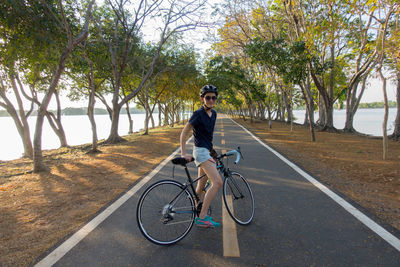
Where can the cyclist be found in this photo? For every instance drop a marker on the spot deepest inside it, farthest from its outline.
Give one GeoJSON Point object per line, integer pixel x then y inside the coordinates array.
{"type": "Point", "coordinates": [202, 123]}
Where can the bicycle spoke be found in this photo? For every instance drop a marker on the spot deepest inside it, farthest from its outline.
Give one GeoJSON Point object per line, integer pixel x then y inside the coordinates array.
{"type": "Point", "coordinates": [165, 212]}
{"type": "Point", "coordinates": [173, 223]}
{"type": "Point", "coordinates": [241, 203]}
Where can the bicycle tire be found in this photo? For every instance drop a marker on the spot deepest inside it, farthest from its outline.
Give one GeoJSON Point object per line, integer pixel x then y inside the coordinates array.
{"type": "Point", "coordinates": [161, 222]}
{"type": "Point", "coordinates": [238, 198]}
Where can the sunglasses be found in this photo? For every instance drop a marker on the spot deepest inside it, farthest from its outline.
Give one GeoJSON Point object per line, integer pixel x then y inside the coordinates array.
{"type": "Point", "coordinates": [208, 98]}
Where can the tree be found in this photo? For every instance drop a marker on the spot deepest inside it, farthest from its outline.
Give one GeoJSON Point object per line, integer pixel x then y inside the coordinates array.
{"type": "Point", "coordinates": [176, 16]}
{"type": "Point", "coordinates": [89, 72]}
{"type": "Point", "coordinates": [74, 38]}
{"type": "Point", "coordinates": [388, 8]}
{"type": "Point", "coordinates": [30, 37]}
{"type": "Point", "coordinates": [362, 51]}
{"type": "Point", "coordinates": [23, 41]}
{"type": "Point", "coordinates": [393, 63]}
{"type": "Point", "coordinates": [288, 60]}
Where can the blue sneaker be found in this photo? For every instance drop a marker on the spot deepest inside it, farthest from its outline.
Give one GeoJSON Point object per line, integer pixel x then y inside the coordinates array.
{"type": "Point", "coordinates": [207, 222]}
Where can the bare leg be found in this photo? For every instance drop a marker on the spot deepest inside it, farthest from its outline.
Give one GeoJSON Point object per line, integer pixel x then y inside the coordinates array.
{"type": "Point", "coordinates": [200, 184]}
{"type": "Point", "coordinates": [216, 183]}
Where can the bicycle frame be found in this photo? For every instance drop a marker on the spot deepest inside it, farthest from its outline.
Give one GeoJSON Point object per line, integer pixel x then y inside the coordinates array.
{"type": "Point", "coordinates": [220, 167]}
{"type": "Point", "coordinates": [186, 185]}
{"type": "Point", "coordinates": [157, 212]}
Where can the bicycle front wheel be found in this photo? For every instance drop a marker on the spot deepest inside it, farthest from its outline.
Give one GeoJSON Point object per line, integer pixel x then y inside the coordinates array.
{"type": "Point", "coordinates": [165, 212]}
{"type": "Point", "coordinates": [238, 198]}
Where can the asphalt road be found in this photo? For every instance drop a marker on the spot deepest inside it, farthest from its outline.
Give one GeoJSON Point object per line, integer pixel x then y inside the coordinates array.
{"type": "Point", "coordinates": [295, 223]}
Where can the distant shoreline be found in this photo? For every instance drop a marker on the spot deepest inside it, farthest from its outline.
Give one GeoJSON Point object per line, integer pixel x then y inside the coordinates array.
{"type": "Point", "coordinates": [100, 111]}
{"type": "Point", "coordinates": [82, 111]}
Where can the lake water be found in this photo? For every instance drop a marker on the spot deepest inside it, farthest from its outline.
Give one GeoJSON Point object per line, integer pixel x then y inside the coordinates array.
{"type": "Point", "coordinates": [368, 121]}
{"type": "Point", "coordinates": [78, 130]}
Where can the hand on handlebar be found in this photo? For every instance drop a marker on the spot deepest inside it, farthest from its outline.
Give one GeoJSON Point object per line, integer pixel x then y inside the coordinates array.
{"type": "Point", "coordinates": [188, 158]}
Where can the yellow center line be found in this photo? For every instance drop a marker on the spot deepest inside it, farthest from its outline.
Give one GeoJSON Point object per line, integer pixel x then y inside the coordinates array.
{"type": "Point", "coordinates": [229, 234]}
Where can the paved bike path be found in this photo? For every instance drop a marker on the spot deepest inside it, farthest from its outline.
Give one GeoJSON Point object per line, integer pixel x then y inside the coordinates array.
{"type": "Point", "coordinates": [295, 223]}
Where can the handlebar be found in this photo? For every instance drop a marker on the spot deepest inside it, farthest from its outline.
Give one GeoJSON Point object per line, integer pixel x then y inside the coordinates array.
{"type": "Point", "coordinates": [233, 152]}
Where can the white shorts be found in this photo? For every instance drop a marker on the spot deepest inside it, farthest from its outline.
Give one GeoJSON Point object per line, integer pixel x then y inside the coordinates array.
{"type": "Point", "coordinates": [200, 155]}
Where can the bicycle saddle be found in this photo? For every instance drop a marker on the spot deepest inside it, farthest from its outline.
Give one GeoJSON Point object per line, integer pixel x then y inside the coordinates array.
{"type": "Point", "coordinates": [180, 161]}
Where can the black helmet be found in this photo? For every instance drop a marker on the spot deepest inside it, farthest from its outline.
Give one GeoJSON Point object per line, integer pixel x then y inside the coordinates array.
{"type": "Point", "coordinates": [208, 89]}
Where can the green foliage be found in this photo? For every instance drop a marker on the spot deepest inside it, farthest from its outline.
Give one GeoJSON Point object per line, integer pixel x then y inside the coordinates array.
{"type": "Point", "coordinates": [287, 60]}
{"type": "Point", "coordinates": [233, 81]}
{"type": "Point", "coordinates": [391, 104]}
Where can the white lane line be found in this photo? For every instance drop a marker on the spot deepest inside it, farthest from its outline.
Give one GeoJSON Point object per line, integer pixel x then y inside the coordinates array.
{"type": "Point", "coordinates": [379, 230]}
{"type": "Point", "coordinates": [229, 234]}
{"type": "Point", "coordinates": [61, 250]}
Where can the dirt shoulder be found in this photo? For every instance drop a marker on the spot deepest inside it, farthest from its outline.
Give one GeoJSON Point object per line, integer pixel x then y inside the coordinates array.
{"type": "Point", "coordinates": [349, 164]}
{"type": "Point", "coordinates": [38, 210]}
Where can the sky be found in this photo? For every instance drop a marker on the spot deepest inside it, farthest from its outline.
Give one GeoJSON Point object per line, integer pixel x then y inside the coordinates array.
{"type": "Point", "coordinates": [201, 40]}
{"type": "Point", "coordinates": [374, 92]}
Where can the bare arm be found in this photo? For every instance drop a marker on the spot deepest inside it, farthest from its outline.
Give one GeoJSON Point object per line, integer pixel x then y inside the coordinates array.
{"type": "Point", "coordinates": [186, 130]}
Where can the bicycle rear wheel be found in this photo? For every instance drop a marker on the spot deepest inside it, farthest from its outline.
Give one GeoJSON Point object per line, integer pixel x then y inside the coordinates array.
{"type": "Point", "coordinates": [165, 212]}
{"type": "Point", "coordinates": [238, 198]}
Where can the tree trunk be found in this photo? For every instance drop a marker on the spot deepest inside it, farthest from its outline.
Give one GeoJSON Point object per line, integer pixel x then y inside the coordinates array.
{"type": "Point", "coordinates": [250, 112]}
{"type": "Point", "coordinates": [326, 114]}
{"type": "Point", "coordinates": [55, 123]}
{"type": "Point", "coordinates": [350, 101]}
{"type": "Point", "coordinates": [321, 112]}
{"type": "Point", "coordinates": [159, 114]}
{"type": "Point", "coordinates": [385, 100]}
{"type": "Point", "coordinates": [308, 113]}
{"type": "Point", "coordinates": [165, 115]}
{"type": "Point", "coordinates": [328, 100]}
{"type": "Point", "coordinates": [114, 136]}
{"type": "Point", "coordinates": [21, 122]}
{"type": "Point", "coordinates": [91, 103]}
{"type": "Point", "coordinates": [172, 114]}
{"type": "Point", "coordinates": [147, 109]}
{"type": "Point", "coordinates": [329, 117]}
{"type": "Point", "coordinates": [38, 164]}
{"type": "Point", "coordinates": [23, 131]}
{"type": "Point", "coordinates": [286, 101]}
{"type": "Point", "coordinates": [152, 120]}
{"type": "Point", "coordinates": [128, 113]}
{"type": "Point", "coordinates": [396, 131]}
{"type": "Point", "coordinates": [310, 101]}
{"type": "Point", "coordinates": [90, 114]}
{"type": "Point", "coordinates": [146, 122]}
{"type": "Point", "coordinates": [385, 117]}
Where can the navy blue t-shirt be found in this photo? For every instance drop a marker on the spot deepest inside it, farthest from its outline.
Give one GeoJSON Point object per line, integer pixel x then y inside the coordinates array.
{"type": "Point", "coordinates": [203, 127]}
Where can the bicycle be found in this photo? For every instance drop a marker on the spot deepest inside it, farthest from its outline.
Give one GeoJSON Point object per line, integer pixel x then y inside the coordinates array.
{"type": "Point", "coordinates": [166, 210]}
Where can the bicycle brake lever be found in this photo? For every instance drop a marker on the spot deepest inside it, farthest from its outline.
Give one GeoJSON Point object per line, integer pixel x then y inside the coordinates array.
{"type": "Point", "coordinates": [240, 152]}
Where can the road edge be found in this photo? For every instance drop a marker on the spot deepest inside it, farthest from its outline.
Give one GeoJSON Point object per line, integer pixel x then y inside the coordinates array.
{"type": "Point", "coordinates": [371, 224]}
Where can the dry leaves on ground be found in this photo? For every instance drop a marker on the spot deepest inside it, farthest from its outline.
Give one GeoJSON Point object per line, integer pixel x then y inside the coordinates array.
{"type": "Point", "coordinates": [38, 210]}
